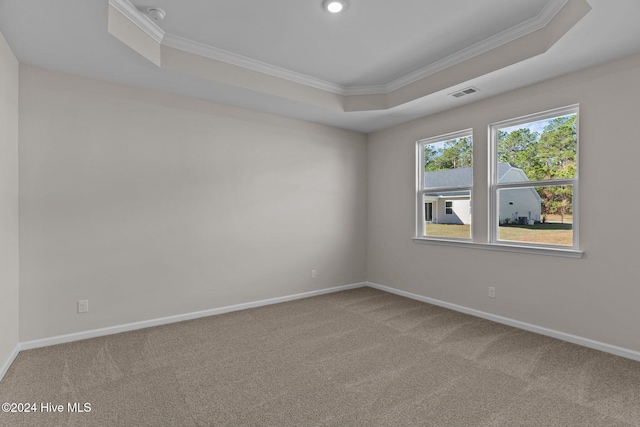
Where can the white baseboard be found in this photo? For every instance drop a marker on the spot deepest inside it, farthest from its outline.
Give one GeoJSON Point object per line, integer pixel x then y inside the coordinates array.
{"type": "Point", "coordinates": [9, 361]}
{"type": "Point", "coordinates": [27, 345]}
{"type": "Point", "coordinates": [61, 339]}
{"type": "Point", "coordinates": [585, 342]}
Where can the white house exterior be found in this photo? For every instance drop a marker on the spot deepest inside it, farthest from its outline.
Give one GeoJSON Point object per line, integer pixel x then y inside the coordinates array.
{"type": "Point", "coordinates": [454, 207]}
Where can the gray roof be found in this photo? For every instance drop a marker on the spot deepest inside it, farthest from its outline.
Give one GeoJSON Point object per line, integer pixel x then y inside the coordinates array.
{"type": "Point", "coordinates": [459, 177]}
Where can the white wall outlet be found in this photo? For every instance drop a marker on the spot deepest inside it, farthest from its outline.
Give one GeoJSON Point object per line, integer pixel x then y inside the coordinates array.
{"type": "Point", "coordinates": [314, 274]}
{"type": "Point", "coordinates": [492, 292]}
{"type": "Point", "coordinates": [83, 306]}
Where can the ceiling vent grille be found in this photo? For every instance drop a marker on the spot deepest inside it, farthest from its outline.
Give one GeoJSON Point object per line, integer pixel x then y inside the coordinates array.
{"type": "Point", "coordinates": [466, 91]}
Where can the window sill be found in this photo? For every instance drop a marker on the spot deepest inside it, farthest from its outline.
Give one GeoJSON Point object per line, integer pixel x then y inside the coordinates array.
{"type": "Point", "coordinates": [504, 247]}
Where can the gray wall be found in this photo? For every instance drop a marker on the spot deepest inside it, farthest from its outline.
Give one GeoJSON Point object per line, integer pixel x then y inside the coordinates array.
{"type": "Point", "coordinates": [594, 297]}
{"type": "Point", "coordinates": [8, 202]}
{"type": "Point", "coordinates": [150, 204]}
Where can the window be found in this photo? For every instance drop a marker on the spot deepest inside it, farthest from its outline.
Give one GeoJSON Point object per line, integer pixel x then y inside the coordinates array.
{"type": "Point", "coordinates": [449, 207]}
{"type": "Point", "coordinates": [531, 190]}
{"type": "Point", "coordinates": [534, 179]}
{"type": "Point", "coordinates": [445, 181]}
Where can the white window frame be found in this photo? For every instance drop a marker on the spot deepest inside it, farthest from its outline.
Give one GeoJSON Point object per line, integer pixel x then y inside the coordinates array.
{"type": "Point", "coordinates": [489, 241]}
{"type": "Point", "coordinates": [494, 186]}
{"type": "Point", "coordinates": [421, 190]}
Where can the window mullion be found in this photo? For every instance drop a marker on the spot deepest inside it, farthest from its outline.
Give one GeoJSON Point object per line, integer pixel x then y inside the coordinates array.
{"type": "Point", "coordinates": [546, 183]}
{"type": "Point", "coordinates": [445, 189]}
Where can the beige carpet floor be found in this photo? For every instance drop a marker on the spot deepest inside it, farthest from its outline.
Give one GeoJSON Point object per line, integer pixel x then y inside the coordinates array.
{"type": "Point", "coordinates": [355, 358]}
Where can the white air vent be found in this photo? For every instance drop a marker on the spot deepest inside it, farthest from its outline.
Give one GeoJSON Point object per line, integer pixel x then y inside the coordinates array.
{"type": "Point", "coordinates": [466, 91]}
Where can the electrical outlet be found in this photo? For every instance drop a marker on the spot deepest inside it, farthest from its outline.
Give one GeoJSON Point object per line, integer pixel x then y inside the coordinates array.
{"type": "Point", "coordinates": [83, 306]}
{"type": "Point", "coordinates": [492, 292]}
{"type": "Point", "coordinates": [314, 274]}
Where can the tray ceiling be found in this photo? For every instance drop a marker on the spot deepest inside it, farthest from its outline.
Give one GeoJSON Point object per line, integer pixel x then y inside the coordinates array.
{"type": "Point", "coordinates": [376, 65]}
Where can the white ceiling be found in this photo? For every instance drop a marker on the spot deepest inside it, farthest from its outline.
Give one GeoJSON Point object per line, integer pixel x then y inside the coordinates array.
{"type": "Point", "coordinates": [373, 43]}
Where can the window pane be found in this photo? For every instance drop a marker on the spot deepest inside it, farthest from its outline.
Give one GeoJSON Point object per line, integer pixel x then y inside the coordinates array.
{"type": "Point", "coordinates": [541, 150]}
{"type": "Point", "coordinates": [536, 215]}
{"type": "Point", "coordinates": [448, 163]}
{"type": "Point", "coordinates": [448, 214]}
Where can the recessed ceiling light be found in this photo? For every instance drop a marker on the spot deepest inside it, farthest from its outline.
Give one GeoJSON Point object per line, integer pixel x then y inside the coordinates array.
{"type": "Point", "coordinates": [335, 6]}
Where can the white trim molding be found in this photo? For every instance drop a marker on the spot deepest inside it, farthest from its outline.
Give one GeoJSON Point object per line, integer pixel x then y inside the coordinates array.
{"type": "Point", "coordinates": [61, 339]}
{"type": "Point", "coordinates": [534, 24]}
{"type": "Point", "coordinates": [502, 247]}
{"type": "Point", "coordinates": [217, 54]}
{"type": "Point", "coordinates": [538, 22]}
{"type": "Point", "coordinates": [145, 23]}
{"type": "Point", "coordinates": [7, 364]}
{"type": "Point", "coordinates": [574, 339]}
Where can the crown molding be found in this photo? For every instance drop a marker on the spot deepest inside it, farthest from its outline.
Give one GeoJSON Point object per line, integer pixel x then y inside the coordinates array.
{"type": "Point", "coordinates": [367, 90]}
{"type": "Point", "coordinates": [145, 23]}
{"type": "Point", "coordinates": [534, 24]}
{"type": "Point", "coordinates": [217, 54]}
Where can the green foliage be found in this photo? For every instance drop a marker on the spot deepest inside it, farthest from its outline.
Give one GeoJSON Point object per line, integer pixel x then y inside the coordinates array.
{"type": "Point", "coordinates": [518, 148]}
{"type": "Point", "coordinates": [557, 148]}
{"type": "Point", "coordinates": [430, 154]}
{"type": "Point", "coordinates": [549, 155]}
{"type": "Point", "coordinates": [557, 200]}
{"type": "Point", "coordinates": [455, 153]}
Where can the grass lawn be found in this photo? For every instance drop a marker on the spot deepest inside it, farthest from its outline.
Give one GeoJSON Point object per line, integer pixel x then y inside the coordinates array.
{"type": "Point", "coordinates": [548, 233]}
{"type": "Point", "coordinates": [448, 230]}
